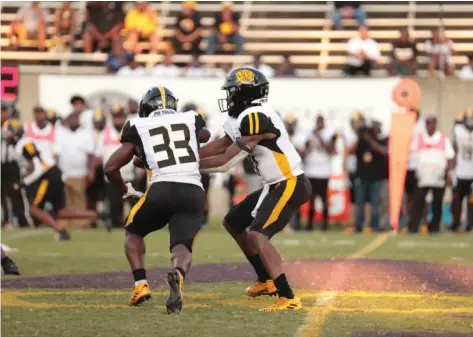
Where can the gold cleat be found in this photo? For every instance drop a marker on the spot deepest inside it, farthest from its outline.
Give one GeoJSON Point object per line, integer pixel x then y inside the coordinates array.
{"type": "Point", "coordinates": [283, 303]}
{"type": "Point", "coordinates": [141, 293]}
{"type": "Point", "coordinates": [260, 289]}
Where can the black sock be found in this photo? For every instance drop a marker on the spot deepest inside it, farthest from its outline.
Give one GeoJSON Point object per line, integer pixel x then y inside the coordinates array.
{"type": "Point", "coordinates": [183, 273]}
{"type": "Point", "coordinates": [5, 260]}
{"type": "Point", "coordinates": [284, 289]}
{"type": "Point", "coordinates": [259, 268]}
{"type": "Point", "coordinates": [139, 274]}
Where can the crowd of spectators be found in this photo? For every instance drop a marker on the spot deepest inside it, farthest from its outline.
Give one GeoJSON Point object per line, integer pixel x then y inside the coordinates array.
{"type": "Point", "coordinates": [107, 27]}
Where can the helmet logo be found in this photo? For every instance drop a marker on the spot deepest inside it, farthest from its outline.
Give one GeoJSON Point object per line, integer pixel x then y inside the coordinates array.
{"type": "Point", "coordinates": [245, 76]}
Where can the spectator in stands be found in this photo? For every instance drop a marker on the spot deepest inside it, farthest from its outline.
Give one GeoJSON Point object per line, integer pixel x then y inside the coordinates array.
{"type": "Point", "coordinates": [264, 68]}
{"type": "Point", "coordinates": [348, 10]}
{"type": "Point", "coordinates": [440, 51]}
{"type": "Point", "coordinates": [363, 53]}
{"type": "Point", "coordinates": [65, 23]}
{"type": "Point", "coordinates": [29, 24]}
{"type": "Point", "coordinates": [86, 115]}
{"type": "Point", "coordinates": [226, 30]}
{"type": "Point", "coordinates": [104, 23]}
{"type": "Point", "coordinates": [435, 158]}
{"type": "Point", "coordinates": [188, 30]}
{"type": "Point", "coordinates": [141, 23]}
{"type": "Point", "coordinates": [467, 71]}
{"type": "Point", "coordinates": [74, 149]}
{"type": "Point", "coordinates": [117, 58]}
{"type": "Point", "coordinates": [403, 56]}
{"type": "Point", "coordinates": [167, 68]}
{"type": "Point", "coordinates": [370, 150]}
{"type": "Point", "coordinates": [194, 68]}
{"type": "Point", "coordinates": [286, 68]}
{"type": "Point", "coordinates": [131, 68]}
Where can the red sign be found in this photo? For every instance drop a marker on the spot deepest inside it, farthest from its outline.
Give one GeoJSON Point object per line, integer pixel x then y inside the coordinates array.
{"type": "Point", "coordinates": [10, 82]}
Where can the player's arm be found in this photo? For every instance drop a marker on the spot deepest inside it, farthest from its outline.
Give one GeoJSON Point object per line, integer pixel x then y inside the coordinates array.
{"type": "Point", "coordinates": [254, 128]}
{"type": "Point", "coordinates": [122, 156]}
{"type": "Point", "coordinates": [215, 147]}
{"type": "Point", "coordinates": [30, 152]}
{"type": "Point", "coordinates": [233, 154]}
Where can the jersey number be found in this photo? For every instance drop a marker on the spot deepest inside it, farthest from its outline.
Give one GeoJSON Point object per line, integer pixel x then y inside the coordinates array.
{"type": "Point", "coordinates": [179, 144]}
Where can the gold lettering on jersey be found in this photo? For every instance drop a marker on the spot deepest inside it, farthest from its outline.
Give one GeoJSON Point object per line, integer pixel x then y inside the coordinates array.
{"type": "Point", "coordinates": [245, 76]}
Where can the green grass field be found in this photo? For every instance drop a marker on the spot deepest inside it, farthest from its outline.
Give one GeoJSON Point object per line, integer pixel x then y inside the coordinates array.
{"type": "Point", "coordinates": [336, 307]}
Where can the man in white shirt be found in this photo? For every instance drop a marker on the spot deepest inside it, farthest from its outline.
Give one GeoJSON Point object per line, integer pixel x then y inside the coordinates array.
{"type": "Point", "coordinates": [319, 147]}
{"type": "Point", "coordinates": [86, 116]}
{"type": "Point", "coordinates": [42, 131]}
{"type": "Point", "coordinates": [167, 68]}
{"type": "Point", "coordinates": [435, 159]}
{"type": "Point", "coordinates": [131, 68]}
{"type": "Point", "coordinates": [463, 144]}
{"type": "Point", "coordinates": [74, 148]}
{"type": "Point", "coordinates": [363, 53]}
{"type": "Point", "coordinates": [132, 109]}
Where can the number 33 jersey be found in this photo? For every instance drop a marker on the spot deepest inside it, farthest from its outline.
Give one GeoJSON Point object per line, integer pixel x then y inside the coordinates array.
{"type": "Point", "coordinates": [463, 138]}
{"type": "Point", "coordinates": [274, 160]}
{"type": "Point", "coordinates": [167, 143]}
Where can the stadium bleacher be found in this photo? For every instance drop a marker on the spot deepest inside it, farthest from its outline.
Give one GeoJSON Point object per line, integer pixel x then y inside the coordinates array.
{"type": "Point", "coordinates": [302, 30]}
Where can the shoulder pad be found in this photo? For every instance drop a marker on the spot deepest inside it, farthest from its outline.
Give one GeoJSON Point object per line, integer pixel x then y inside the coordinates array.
{"type": "Point", "coordinates": [128, 133]}
{"type": "Point", "coordinates": [255, 123]}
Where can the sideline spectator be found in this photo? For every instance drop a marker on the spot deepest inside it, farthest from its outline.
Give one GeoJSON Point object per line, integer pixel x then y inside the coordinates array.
{"type": "Point", "coordinates": [86, 116]}
{"type": "Point", "coordinates": [188, 30]}
{"type": "Point", "coordinates": [264, 68]}
{"type": "Point", "coordinates": [467, 70]}
{"type": "Point", "coordinates": [403, 56]}
{"type": "Point", "coordinates": [65, 23]}
{"type": "Point", "coordinates": [141, 23]}
{"type": "Point", "coordinates": [131, 68]}
{"type": "Point", "coordinates": [435, 156]}
{"type": "Point", "coordinates": [104, 22]}
{"type": "Point", "coordinates": [226, 30]}
{"type": "Point", "coordinates": [117, 58]}
{"type": "Point", "coordinates": [167, 68]}
{"type": "Point", "coordinates": [463, 145]}
{"type": "Point", "coordinates": [440, 50]}
{"type": "Point", "coordinates": [348, 10]}
{"type": "Point", "coordinates": [194, 68]}
{"type": "Point", "coordinates": [319, 147]}
{"type": "Point", "coordinates": [30, 23]}
{"type": "Point", "coordinates": [370, 157]}
{"type": "Point", "coordinates": [74, 149]}
{"type": "Point", "coordinates": [363, 53]}
{"type": "Point", "coordinates": [286, 68]}
{"type": "Point", "coordinates": [42, 131]}
{"type": "Point", "coordinates": [131, 109]}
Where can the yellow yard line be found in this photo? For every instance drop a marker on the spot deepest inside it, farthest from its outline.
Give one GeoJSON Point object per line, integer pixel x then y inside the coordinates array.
{"type": "Point", "coordinates": [317, 316]}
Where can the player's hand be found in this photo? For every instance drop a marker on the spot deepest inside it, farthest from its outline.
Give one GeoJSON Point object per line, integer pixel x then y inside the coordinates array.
{"type": "Point", "coordinates": [131, 192]}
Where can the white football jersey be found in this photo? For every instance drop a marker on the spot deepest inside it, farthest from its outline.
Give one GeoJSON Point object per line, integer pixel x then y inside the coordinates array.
{"type": "Point", "coordinates": [26, 149]}
{"type": "Point", "coordinates": [274, 160]}
{"type": "Point", "coordinates": [463, 138]}
{"type": "Point", "coordinates": [168, 144]}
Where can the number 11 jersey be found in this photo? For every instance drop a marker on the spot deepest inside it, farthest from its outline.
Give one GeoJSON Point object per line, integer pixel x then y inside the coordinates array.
{"type": "Point", "coordinates": [168, 144]}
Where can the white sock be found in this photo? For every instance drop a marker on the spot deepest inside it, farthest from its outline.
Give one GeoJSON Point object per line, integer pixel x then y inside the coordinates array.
{"type": "Point", "coordinates": [140, 282]}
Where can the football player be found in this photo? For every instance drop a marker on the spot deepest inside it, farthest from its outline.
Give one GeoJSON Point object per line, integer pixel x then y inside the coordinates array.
{"type": "Point", "coordinates": [167, 145]}
{"type": "Point", "coordinates": [253, 129]}
{"type": "Point", "coordinates": [42, 179]}
{"type": "Point", "coordinates": [463, 145]}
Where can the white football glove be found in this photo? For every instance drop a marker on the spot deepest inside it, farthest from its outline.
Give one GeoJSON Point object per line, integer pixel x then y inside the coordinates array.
{"type": "Point", "coordinates": [131, 192]}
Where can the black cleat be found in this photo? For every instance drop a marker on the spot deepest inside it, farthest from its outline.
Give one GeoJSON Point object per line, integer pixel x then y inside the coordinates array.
{"type": "Point", "coordinates": [63, 235]}
{"type": "Point", "coordinates": [9, 267]}
{"type": "Point", "coordinates": [174, 301]}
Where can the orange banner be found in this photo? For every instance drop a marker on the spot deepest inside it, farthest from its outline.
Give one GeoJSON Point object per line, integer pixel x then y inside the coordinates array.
{"type": "Point", "coordinates": [399, 147]}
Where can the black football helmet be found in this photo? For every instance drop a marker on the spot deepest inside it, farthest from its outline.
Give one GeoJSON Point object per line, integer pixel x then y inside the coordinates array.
{"type": "Point", "coordinates": [245, 87]}
{"type": "Point", "coordinates": [12, 131]}
{"type": "Point", "coordinates": [157, 98]}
